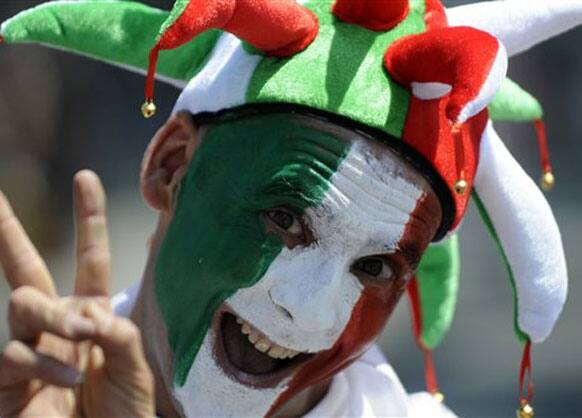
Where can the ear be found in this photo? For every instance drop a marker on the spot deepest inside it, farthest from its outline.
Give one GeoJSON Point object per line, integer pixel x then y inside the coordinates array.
{"type": "Point", "coordinates": [166, 160]}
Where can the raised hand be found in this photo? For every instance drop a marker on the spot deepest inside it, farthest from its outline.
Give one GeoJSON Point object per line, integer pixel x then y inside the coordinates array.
{"type": "Point", "coordinates": [69, 356]}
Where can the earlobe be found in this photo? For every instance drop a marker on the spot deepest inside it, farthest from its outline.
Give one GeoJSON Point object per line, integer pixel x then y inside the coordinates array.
{"type": "Point", "coordinates": [166, 160]}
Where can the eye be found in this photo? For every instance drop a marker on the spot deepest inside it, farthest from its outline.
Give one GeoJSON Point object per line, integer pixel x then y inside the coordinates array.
{"type": "Point", "coordinates": [286, 221]}
{"type": "Point", "coordinates": [375, 268]}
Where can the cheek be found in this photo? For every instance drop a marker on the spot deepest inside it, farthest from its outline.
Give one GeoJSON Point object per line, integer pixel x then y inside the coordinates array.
{"type": "Point", "coordinates": [203, 260]}
{"type": "Point", "coordinates": [367, 321]}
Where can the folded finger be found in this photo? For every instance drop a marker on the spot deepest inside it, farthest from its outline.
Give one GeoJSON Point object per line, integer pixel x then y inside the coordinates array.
{"type": "Point", "coordinates": [31, 313]}
{"type": "Point", "coordinates": [92, 244]}
{"type": "Point", "coordinates": [20, 260]}
{"type": "Point", "coordinates": [118, 337]}
{"type": "Point", "coordinates": [20, 363]}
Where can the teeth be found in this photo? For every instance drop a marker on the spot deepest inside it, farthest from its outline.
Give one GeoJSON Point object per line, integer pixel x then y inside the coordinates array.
{"type": "Point", "coordinates": [263, 344]}
{"type": "Point", "coordinates": [254, 337]}
{"type": "Point", "coordinates": [292, 353]}
{"type": "Point", "coordinates": [277, 352]}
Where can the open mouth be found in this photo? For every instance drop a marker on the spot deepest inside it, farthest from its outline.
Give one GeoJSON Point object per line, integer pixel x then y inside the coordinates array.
{"type": "Point", "coordinates": [249, 356]}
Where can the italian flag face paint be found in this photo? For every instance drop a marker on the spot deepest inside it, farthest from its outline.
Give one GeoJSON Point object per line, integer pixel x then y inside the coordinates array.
{"type": "Point", "coordinates": [355, 197]}
{"type": "Point", "coordinates": [217, 242]}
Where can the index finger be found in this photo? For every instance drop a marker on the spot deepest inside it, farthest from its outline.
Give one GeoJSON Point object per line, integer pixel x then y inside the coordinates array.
{"type": "Point", "coordinates": [93, 256]}
{"type": "Point", "coordinates": [22, 264]}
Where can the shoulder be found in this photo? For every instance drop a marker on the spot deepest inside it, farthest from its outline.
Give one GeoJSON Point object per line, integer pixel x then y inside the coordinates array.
{"type": "Point", "coordinates": [123, 302]}
{"type": "Point", "coordinates": [370, 388]}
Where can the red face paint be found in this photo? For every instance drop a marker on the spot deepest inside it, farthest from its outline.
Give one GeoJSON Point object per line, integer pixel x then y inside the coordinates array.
{"type": "Point", "coordinates": [370, 313]}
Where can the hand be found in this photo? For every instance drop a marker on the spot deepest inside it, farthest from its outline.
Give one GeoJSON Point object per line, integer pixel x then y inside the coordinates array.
{"type": "Point", "coordinates": [69, 356]}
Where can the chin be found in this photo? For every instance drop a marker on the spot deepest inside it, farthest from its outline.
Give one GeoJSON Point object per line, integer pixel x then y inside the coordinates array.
{"type": "Point", "coordinates": [258, 354]}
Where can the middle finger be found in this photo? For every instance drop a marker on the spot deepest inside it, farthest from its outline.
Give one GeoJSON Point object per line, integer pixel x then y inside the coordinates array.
{"type": "Point", "coordinates": [93, 255]}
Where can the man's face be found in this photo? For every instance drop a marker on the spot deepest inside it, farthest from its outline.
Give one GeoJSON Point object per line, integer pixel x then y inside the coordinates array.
{"type": "Point", "coordinates": [291, 241]}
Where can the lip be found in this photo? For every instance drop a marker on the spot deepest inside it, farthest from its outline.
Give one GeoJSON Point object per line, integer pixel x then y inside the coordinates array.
{"type": "Point", "coordinates": [261, 381]}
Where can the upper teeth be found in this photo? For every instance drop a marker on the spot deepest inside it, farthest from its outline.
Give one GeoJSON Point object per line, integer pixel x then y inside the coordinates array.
{"type": "Point", "coordinates": [263, 344]}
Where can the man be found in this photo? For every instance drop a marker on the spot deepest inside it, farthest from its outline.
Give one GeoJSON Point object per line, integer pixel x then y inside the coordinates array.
{"type": "Point", "coordinates": [292, 217]}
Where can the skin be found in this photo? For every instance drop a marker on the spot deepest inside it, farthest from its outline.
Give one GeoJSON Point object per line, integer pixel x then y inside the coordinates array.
{"type": "Point", "coordinates": [165, 163]}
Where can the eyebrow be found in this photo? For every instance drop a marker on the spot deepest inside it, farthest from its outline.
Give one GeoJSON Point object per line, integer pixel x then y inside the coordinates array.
{"type": "Point", "coordinates": [287, 191]}
{"type": "Point", "coordinates": [411, 254]}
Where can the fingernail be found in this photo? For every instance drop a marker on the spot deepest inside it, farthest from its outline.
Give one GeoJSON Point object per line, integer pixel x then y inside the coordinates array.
{"type": "Point", "coordinates": [76, 325]}
{"type": "Point", "coordinates": [73, 376]}
{"type": "Point", "coordinates": [87, 196]}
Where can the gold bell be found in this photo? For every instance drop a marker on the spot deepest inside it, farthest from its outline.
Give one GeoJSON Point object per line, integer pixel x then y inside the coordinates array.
{"type": "Point", "coordinates": [461, 187]}
{"type": "Point", "coordinates": [525, 411]}
{"type": "Point", "coordinates": [148, 109]}
{"type": "Point", "coordinates": [548, 180]}
{"type": "Point", "coordinates": [439, 397]}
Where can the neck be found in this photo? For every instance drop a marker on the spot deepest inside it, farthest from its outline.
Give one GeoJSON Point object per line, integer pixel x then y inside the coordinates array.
{"type": "Point", "coordinates": [304, 401]}
{"type": "Point", "coordinates": [158, 354]}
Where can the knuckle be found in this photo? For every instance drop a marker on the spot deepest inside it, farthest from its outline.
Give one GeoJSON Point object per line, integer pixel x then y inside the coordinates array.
{"type": "Point", "coordinates": [13, 353]}
{"type": "Point", "coordinates": [20, 300]}
{"type": "Point", "coordinates": [92, 307]}
{"type": "Point", "coordinates": [128, 331]}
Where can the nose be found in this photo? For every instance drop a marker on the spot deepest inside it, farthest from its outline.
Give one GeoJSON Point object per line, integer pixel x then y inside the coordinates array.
{"type": "Point", "coordinates": [310, 301]}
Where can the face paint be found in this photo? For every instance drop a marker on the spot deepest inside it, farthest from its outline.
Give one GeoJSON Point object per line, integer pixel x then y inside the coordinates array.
{"type": "Point", "coordinates": [217, 242]}
{"type": "Point", "coordinates": [308, 299]}
{"type": "Point", "coordinates": [372, 310]}
{"type": "Point", "coordinates": [307, 295]}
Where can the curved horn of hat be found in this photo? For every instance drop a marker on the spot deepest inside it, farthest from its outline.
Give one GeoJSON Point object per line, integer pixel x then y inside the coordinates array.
{"type": "Point", "coordinates": [519, 24]}
{"type": "Point", "coordinates": [117, 32]}
{"type": "Point", "coordinates": [521, 222]}
{"type": "Point", "coordinates": [278, 28]}
{"type": "Point", "coordinates": [455, 72]}
{"type": "Point", "coordinates": [437, 285]}
{"type": "Point", "coordinates": [467, 64]}
{"type": "Point", "coordinates": [377, 15]}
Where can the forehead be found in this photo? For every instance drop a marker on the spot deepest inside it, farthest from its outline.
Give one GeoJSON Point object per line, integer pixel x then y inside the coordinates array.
{"type": "Point", "coordinates": [370, 201]}
{"type": "Point", "coordinates": [297, 156]}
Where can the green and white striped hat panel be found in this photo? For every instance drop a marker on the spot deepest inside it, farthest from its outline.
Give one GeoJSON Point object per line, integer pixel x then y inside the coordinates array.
{"type": "Point", "coordinates": [117, 32]}
{"type": "Point", "coordinates": [328, 75]}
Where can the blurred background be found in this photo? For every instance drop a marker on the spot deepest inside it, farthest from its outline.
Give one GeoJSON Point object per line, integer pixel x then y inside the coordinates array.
{"type": "Point", "coordinates": [60, 113]}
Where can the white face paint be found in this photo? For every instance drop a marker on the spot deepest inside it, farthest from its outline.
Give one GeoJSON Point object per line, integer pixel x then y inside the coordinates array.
{"type": "Point", "coordinates": [305, 299]}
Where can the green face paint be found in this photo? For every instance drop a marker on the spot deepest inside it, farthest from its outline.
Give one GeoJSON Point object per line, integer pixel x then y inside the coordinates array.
{"type": "Point", "coordinates": [217, 242]}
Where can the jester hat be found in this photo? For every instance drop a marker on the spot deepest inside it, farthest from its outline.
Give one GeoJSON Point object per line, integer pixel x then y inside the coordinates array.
{"type": "Point", "coordinates": [421, 77]}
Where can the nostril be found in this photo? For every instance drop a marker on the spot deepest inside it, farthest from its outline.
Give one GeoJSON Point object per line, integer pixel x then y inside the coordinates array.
{"type": "Point", "coordinates": [280, 308]}
{"type": "Point", "coordinates": [285, 312]}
